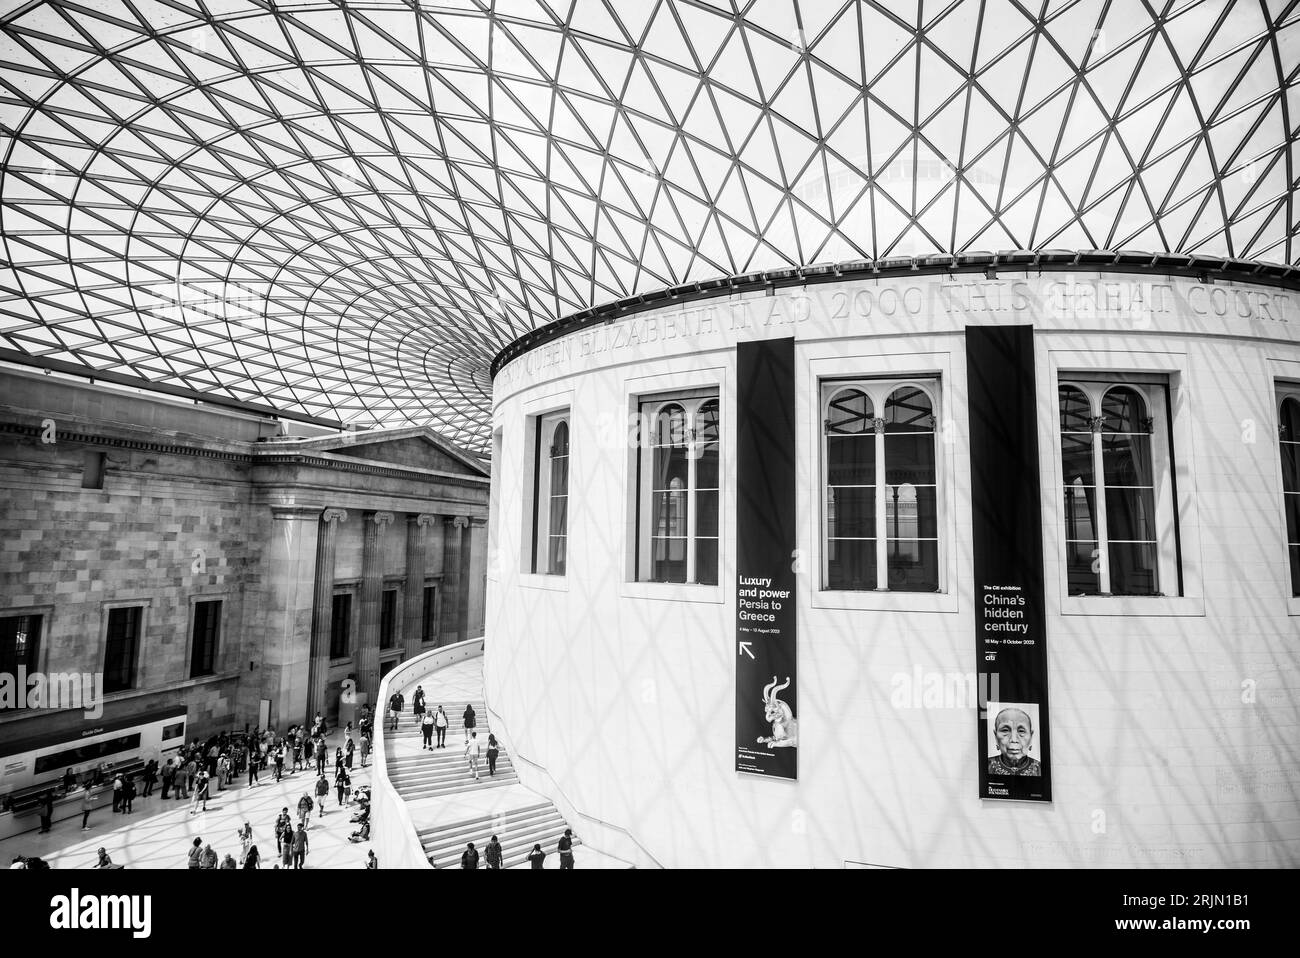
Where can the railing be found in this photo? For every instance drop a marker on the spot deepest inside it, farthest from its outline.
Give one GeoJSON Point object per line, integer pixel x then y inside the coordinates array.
{"type": "Point", "coordinates": [568, 809]}
{"type": "Point", "coordinates": [393, 836]}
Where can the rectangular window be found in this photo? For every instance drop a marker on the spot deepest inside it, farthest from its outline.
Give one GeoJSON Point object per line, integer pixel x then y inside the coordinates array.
{"type": "Point", "coordinates": [20, 645]}
{"type": "Point", "coordinates": [341, 626]}
{"type": "Point", "coordinates": [880, 510]}
{"type": "Point", "coordinates": [81, 754]}
{"type": "Point", "coordinates": [1288, 399]}
{"type": "Point", "coordinates": [1121, 533]}
{"type": "Point", "coordinates": [550, 506]}
{"type": "Point", "coordinates": [203, 643]}
{"type": "Point", "coordinates": [677, 483]}
{"type": "Point", "coordinates": [121, 648]}
{"type": "Point", "coordinates": [387, 618]}
{"type": "Point", "coordinates": [92, 471]}
{"type": "Point", "coordinates": [429, 621]}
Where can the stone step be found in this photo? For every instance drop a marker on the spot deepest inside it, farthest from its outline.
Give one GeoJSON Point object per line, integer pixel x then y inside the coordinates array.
{"type": "Point", "coordinates": [514, 851]}
{"type": "Point", "coordinates": [436, 759]}
{"type": "Point", "coordinates": [486, 818]}
{"type": "Point", "coordinates": [446, 773]}
{"type": "Point", "coordinates": [411, 792]}
{"type": "Point", "coordinates": [479, 832]}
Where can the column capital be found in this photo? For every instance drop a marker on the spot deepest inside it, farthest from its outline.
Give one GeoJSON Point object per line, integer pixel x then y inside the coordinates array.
{"type": "Point", "coordinates": [456, 522]}
{"type": "Point", "coordinates": [423, 519]}
{"type": "Point", "coordinates": [334, 515]}
{"type": "Point", "coordinates": [382, 519]}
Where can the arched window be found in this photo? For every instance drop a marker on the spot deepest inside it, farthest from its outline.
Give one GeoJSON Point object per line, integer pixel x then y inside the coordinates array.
{"type": "Point", "coordinates": [558, 524]}
{"type": "Point", "coordinates": [1113, 529]}
{"type": "Point", "coordinates": [550, 503]}
{"type": "Point", "coordinates": [678, 475]}
{"type": "Point", "coordinates": [880, 513]}
{"type": "Point", "coordinates": [1289, 441]}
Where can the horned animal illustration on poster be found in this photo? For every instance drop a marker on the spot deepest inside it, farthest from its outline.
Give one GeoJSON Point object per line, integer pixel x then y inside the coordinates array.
{"type": "Point", "coordinates": [785, 729]}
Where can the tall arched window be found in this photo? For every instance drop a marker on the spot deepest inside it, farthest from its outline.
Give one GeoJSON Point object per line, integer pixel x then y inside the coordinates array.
{"type": "Point", "coordinates": [550, 503]}
{"type": "Point", "coordinates": [557, 530]}
{"type": "Point", "coordinates": [1116, 538]}
{"type": "Point", "coordinates": [678, 478]}
{"type": "Point", "coordinates": [1289, 442]}
{"type": "Point", "coordinates": [880, 513]}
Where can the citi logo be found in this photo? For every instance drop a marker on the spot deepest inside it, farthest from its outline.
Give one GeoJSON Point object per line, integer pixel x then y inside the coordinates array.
{"type": "Point", "coordinates": [75, 912]}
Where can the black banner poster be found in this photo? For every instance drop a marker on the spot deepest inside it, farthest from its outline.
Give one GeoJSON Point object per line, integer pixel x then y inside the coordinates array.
{"type": "Point", "coordinates": [1010, 635]}
{"type": "Point", "coordinates": [766, 682]}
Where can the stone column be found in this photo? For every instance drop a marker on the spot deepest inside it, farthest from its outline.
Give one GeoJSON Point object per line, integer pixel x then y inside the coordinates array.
{"type": "Point", "coordinates": [417, 543]}
{"type": "Point", "coordinates": [452, 529]}
{"type": "Point", "coordinates": [475, 582]}
{"type": "Point", "coordinates": [372, 587]}
{"type": "Point", "coordinates": [278, 641]}
{"type": "Point", "coordinates": [322, 611]}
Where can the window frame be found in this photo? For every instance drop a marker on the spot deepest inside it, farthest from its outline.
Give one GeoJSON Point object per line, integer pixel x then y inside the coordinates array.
{"type": "Point", "coordinates": [897, 360]}
{"type": "Point", "coordinates": [648, 409]}
{"type": "Point", "coordinates": [1143, 358]}
{"type": "Point", "coordinates": [1285, 389]}
{"type": "Point", "coordinates": [195, 602]}
{"type": "Point", "coordinates": [1095, 386]}
{"type": "Point", "coordinates": [545, 427]}
{"type": "Point", "coordinates": [334, 624]}
{"type": "Point", "coordinates": [878, 389]}
{"type": "Point", "coordinates": [138, 672]}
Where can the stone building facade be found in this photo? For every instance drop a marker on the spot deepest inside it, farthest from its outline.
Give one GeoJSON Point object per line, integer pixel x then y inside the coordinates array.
{"type": "Point", "coordinates": [197, 556]}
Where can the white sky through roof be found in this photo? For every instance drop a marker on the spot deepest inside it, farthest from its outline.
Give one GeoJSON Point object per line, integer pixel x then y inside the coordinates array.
{"type": "Point", "coordinates": [346, 209]}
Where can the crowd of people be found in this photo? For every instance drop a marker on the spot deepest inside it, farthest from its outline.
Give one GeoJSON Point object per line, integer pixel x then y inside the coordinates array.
{"type": "Point", "coordinates": [200, 769]}
{"type": "Point", "coordinates": [492, 854]}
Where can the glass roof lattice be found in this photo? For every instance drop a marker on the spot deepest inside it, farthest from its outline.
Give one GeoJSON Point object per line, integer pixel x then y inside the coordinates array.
{"type": "Point", "coordinates": [345, 210]}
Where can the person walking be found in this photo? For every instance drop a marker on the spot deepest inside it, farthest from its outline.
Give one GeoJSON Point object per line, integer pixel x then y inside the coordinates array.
{"type": "Point", "coordinates": [283, 829]}
{"type": "Point", "coordinates": [348, 749]}
{"type": "Point", "coordinates": [341, 782]}
{"type": "Point", "coordinates": [440, 723]}
{"type": "Point", "coordinates": [252, 768]}
{"type": "Point", "coordinates": [117, 793]}
{"type": "Point", "coordinates": [297, 752]}
{"type": "Point", "coordinates": [493, 854]}
{"type": "Point", "coordinates": [299, 847]}
{"type": "Point", "coordinates": [47, 811]}
{"type": "Point", "coordinates": [469, 718]}
{"type": "Point", "coordinates": [128, 794]}
{"type": "Point", "coordinates": [394, 708]}
{"type": "Point", "coordinates": [87, 803]}
{"type": "Point", "coordinates": [322, 790]}
{"type": "Point", "coordinates": [565, 848]}
{"type": "Point", "coordinates": [365, 746]}
{"type": "Point", "coordinates": [426, 729]}
{"type": "Point", "coordinates": [305, 806]}
{"type": "Point", "coordinates": [417, 705]}
{"type": "Point", "coordinates": [210, 858]}
{"type": "Point", "coordinates": [245, 840]}
{"type": "Point", "coordinates": [536, 857]}
{"type": "Point", "coordinates": [493, 750]}
{"type": "Point", "coordinates": [469, 858]}
{"type": "Point", "coordinates": [195, 854]}
{"type": "Point", "coordinates": [200, 800]}
{"type": "Point", "coordinates": [322, 755]}
{"type": "Point", "coordinates": [168, 777]}
{"type": "Point", "coordinates": [223, 771]}
{"type": "Point", "coordinates": [279, 762]}
{"type": "Point", "coordinates": [472, 750]}
{"type": "Point", "coordinates": [253, 859]}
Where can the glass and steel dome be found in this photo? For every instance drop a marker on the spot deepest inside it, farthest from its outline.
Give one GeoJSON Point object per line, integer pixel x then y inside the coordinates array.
{"type": "Point", "coordinates": [346, 209]}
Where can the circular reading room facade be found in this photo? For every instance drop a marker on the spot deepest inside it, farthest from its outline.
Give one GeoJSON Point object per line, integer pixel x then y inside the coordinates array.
{"type": "Point", "coordinates": [972, 561]}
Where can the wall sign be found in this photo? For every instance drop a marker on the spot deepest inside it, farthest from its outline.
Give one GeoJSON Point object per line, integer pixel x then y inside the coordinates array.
{"type": "Point", "coordinates": [767, 704]}
{"type": "Point", "coordinates": [1010, 635]}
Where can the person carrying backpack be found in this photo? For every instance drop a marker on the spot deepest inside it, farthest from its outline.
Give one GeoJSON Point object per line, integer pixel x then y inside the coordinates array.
{"type": "Point", "coordinates": [469, 858]}
{"type": "Point", "coordinates": [304, 810]}
{"type": "Point", "coordinates": [440, 724]}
